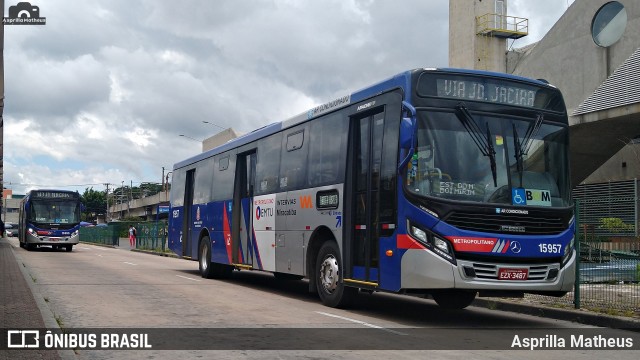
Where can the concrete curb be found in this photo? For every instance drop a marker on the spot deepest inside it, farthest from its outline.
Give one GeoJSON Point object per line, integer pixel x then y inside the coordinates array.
{"type": "Point", "coordinates": [150, 252]}
{"type": "Point", "coordinates": [578, 316]}
{"type": "Point", "coordinates": [48, 316]}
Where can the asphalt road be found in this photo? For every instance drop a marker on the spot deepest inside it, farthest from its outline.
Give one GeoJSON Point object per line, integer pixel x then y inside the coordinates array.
{"type": "Point", "coordinates": [253, 315]}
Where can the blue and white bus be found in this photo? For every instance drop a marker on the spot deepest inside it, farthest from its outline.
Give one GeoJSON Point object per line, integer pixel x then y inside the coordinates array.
{"type": "Point", "coordinates": [440, 182]}
{"type": "Point", "coordinates": [49, 217]}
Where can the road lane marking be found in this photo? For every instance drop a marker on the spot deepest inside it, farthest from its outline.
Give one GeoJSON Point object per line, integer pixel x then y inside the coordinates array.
{"type": "Point", "coordinates": [188, 278]}
{"type": "Point", "coordinates": [360, 322]}
{"type": "Point", "coordinates": [130, 263]}
{"type": "Point", "coordinates": [85, 248]}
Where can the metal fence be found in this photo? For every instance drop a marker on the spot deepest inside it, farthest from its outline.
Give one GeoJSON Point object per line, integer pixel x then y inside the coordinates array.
{"type": "Point", "coordinates": [108, 235]}
{"type": "Point", "coordinates": [151, 235]}
{"type": "Point", "coordinates": [608, 269]}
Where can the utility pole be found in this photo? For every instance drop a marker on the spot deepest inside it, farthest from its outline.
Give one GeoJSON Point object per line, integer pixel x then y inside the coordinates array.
{"type": "Point", "coordinates": [2, 99]}
{"type": "Point", "coordinates": [106, 214]}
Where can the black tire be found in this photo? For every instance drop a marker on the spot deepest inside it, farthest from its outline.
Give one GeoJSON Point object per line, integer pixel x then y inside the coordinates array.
{"type": "Point", "coordinates": [328, 272]}
{"type": "Point", "coordinates": [208, 269]}
{"type": "Point", "coordinates": [28, 246]}
{"type": "Point", "coordinates": [454, 299]}
{"type": "Point", "coordinates": [287, 277]}
{"type": "Point", "coordinates": [68, 248]}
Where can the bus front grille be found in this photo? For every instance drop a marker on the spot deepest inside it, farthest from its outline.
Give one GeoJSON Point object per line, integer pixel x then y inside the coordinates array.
{"type": "Point", "coordinates": [485, 271]}
{"type": "Point", "coordinates": [507, 224]}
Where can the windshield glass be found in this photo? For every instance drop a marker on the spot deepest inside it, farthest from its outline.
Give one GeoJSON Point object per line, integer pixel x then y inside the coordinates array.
{"type": "Point", "coordinates": [449, 164]}
{"type": "Point", "coordinates": [55, 212]}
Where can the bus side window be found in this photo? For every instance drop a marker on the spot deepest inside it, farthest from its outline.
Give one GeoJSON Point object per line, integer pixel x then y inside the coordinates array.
{"type": "Point", "coordinates": [268, 165]}
{"type": "Point", "coordinates": [294, 159]}
{"type": "Point", "coordinates": [327, 150]}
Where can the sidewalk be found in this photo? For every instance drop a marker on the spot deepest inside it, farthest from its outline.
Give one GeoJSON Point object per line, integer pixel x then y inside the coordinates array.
{"type": "Point", "coordinates": [19, 309]}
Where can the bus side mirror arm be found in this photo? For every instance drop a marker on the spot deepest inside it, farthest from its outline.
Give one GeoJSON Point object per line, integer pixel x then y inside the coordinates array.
{"type": "Point", "coordinates": [407, 135]}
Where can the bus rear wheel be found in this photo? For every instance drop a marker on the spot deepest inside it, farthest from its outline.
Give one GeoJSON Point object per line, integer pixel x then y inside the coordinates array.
{"type": "Point", "coordinates": [454, 299]}
{"type": "Point", "coordinates": [330, 286]}
{"type": "Point", "coordinates": [209, 269]}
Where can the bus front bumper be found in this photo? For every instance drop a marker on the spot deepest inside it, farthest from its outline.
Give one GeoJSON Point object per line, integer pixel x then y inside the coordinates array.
{"type": "Point", "coordinates": [422, 269]}
{"type": "Point", "coordinates": [52, 240]}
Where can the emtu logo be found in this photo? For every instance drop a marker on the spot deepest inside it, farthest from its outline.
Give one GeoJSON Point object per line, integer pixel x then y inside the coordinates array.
{"type": "Point", "coordinates": [24, 14]}
{"type": "Point", "coordinates": [306, 202]}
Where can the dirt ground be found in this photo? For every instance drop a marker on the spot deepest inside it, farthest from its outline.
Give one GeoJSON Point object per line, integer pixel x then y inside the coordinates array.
{"type": "Point", "coordinates": [612, 299]}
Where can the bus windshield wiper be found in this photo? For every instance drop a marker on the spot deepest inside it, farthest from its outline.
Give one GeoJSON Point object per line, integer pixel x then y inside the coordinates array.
{"type": "Point", "coordinates": [484, 144]}
{"type": "Point", "coordinates": [522, 147]}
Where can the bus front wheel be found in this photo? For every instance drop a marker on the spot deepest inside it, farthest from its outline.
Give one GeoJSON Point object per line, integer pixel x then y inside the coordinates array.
{"type": "Point", "coordinates": [330, 286]}
{"type": "Point", "coordinates": [454, 299]}
{"type": "Point", "coordinates": [209, 269]}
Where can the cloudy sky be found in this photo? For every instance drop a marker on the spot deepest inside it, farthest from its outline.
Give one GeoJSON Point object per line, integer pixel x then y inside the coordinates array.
{"type": "Point", "coordinates": [101, 93]}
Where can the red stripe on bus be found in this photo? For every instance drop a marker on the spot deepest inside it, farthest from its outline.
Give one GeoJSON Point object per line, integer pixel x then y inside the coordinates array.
{"type": "Point", "coordinates": [226, 233]}
{"type": "Point", "coordinates": [407, 242]}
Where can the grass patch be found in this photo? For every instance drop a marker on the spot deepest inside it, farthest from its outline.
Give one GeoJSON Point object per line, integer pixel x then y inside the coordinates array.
{"type": "Point", "coordinates": [58, 320]}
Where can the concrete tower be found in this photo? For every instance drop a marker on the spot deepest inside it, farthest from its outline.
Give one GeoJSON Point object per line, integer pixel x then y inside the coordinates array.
{"type": "Point", "coordinates": [478, 33]}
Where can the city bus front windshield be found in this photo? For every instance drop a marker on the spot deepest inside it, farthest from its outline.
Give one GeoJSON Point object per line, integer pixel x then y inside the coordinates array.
{"type": "Point", "coordinates": [55, 212]}
{"type": "Point", "coordinates": [498, 160]}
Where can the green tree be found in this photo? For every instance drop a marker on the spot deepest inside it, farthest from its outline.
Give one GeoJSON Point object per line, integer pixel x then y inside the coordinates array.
{"type": "Point", "coordinates": [95, 202]}
{"type": "Point", "coordinates": [615, 225]}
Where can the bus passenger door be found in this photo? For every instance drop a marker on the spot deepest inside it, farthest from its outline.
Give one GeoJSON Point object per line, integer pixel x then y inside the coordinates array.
{"type": "Point", "coordinates": [242, 232]}
{"type": "Point", "coordinates": [363, 180]}
{"type": "Point", "coordinates": [187, 221]}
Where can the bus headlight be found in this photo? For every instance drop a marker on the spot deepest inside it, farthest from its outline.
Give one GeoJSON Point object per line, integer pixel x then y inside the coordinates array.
{"type": "Point", "coordinates": [433, 242]}
{"type": "Point", "coordinates": [568, 250]}
{"type": "Point", "coordinates": [31, 231]}
{"type": "Point", "coordinates": [75, 233]}
{"type": "Point", "coordinates": [419, 234]}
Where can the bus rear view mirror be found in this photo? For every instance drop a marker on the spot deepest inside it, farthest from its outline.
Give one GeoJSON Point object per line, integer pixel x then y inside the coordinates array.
{"type": "Point", "coordinates": [407, 138]}
{"type": "Point", "coordinates": [406, 133]}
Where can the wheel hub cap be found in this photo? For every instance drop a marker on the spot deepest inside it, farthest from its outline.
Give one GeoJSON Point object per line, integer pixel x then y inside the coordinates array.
{"type": "Point", "coordinates": [329, 271]}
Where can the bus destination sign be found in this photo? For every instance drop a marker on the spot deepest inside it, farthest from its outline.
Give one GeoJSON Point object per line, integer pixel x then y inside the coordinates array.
{"type": "Point", "coordinates": [53, 195]}
{"type": "Point", "coordinates": [495, 92]}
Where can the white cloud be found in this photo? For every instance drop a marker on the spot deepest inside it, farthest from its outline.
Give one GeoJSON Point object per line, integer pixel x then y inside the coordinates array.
{"type": "Point", "coordinates": [102, 91]}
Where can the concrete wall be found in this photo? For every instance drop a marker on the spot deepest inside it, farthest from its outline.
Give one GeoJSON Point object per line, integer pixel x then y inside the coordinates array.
{"type": "Point", "coordinates": [146, 207]}
{"type": "Point", "coordinates": [568, 58]}
{"type": "Point", "coordinates": [10, 210]}
{"type": "Point", "coordinates": [625, 165]}
{"type": "Point", "coordinates": [468, 50]}
{"type": "Point", "coordinates": [219, 139]}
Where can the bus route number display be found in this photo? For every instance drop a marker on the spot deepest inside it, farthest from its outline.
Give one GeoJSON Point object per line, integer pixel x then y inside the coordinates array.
{"type": "Point", "coordinates": [501, 93]}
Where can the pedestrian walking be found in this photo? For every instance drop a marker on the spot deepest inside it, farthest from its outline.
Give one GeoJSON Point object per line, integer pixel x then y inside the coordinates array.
{"type": "Point", "coordinates": [132, 236]}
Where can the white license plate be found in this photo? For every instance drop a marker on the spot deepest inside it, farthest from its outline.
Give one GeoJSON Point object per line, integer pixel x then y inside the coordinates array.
{"type": "Point", "coordinates": [513, 274]}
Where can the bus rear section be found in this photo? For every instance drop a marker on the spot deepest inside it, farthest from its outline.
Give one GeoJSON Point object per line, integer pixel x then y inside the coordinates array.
{"type": "Point", "coordinates": [49, 218]}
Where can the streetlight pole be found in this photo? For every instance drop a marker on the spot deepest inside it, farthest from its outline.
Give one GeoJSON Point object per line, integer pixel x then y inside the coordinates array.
{"type": "Point", "coordinates": [190, 138]}
{"type": "Point", "coordinates": [210, 123]}
{"type": "Point", "coordinates": [166, 184]}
